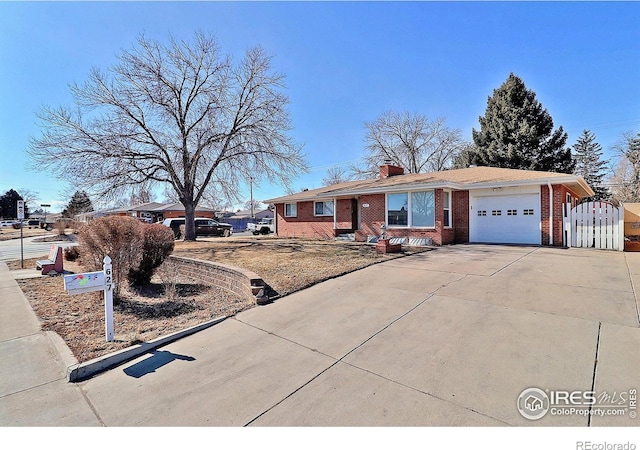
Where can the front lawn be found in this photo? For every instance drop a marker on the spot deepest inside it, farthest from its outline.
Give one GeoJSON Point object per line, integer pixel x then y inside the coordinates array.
{"type": "Point", "coordinates": [288, 265]}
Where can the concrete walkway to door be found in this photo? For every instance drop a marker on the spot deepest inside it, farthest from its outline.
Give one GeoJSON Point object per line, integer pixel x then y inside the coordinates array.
{"type": "Point", "coordinates": [448, 337]}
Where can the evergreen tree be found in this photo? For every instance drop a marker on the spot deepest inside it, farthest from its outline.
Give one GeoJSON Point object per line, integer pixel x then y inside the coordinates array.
{"type": "Point", "coordinates": [587, 154]}
{"type": "Point", "coordinates": [9, 204]}
{"type": "Point", "coordinates": [517, 133]}
{"type": "Point", "coordinates": [80, 203]}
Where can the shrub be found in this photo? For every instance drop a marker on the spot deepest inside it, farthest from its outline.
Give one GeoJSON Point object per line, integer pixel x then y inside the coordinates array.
{"type": "Point", "coordinates": [71, 253]}
{"type": "Point", "coordinates": [158, 244]}
{"type": "Point", "coordinates": [61, 226]}
{"type": "Point", "coordinates": [122, 238]}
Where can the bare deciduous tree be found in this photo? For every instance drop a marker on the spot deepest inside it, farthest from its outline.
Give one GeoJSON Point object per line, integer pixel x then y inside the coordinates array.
{"type": "Point", "coordinates": [181, 114]}
{"type": "Point", "coordinates": [411, 141]}
{"type": "Point", "coordinates": [336, 175]}
{"type": "Point", "coordinates": [625, 181]}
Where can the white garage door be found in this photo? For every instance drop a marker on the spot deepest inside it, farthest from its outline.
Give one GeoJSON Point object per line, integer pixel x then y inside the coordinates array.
{"type": "Point", "coordinates": [505, 219]}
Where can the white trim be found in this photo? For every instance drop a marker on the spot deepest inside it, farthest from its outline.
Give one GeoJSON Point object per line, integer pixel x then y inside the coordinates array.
{"type": "Point", "coordinates": [335, 214]}
{"type": "Point", "coordinates": [449, 209]}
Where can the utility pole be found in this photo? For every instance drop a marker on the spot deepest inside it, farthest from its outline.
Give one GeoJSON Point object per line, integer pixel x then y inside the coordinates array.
{"type": "Point", "coordinates": [251, 194]}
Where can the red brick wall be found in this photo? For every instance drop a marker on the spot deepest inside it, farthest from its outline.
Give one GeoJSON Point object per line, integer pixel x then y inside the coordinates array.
{"type": "Point", "coordinates": [461, 216]}
{"type": "Point", "coordinates": [305, 224]}
{"type": "Point", "coordinates": [560, 192]}
{"type": "Point", "coordinates": [372, 217]}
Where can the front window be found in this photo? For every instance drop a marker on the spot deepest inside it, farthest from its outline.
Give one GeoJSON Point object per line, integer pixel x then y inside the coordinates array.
{"type": "Point", "coordinates": [446, 204]}
{"type": "Point", "coordinates": [323, 208]}
{"type": "Point", "coordinates": [423, 209]}
{"type": "Point", "coordinates": [415, 209]}
{"type": "Point", "coordinates": [290, 209]}
{"type": "Point", "coordinates": [398, 209]}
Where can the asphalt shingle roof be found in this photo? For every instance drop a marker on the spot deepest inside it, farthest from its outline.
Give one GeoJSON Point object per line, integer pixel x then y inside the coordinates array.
{"type": "Point", "coordinates": [469, 178]}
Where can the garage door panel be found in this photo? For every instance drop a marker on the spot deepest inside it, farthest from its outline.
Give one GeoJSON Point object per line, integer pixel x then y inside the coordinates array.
{"type": "Point", "coordinates": [508, 219]}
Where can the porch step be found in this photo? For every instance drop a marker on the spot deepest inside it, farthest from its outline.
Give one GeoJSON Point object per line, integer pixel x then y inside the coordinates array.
{"type": "Point", "coordinates": [350, 237]}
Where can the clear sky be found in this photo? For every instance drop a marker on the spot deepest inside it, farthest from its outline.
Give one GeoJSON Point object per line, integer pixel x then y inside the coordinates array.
{"type": "Point", "coordinates": [345, 63]}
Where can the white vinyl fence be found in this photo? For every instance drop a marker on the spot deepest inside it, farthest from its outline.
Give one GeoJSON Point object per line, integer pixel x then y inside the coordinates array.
{"type": "Point", "coordinates": [594, 225]}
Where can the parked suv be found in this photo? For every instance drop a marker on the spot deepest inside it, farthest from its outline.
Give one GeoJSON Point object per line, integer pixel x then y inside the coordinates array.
{"type": "Point", "coordinates": [9, 224]}
{"type": "Point", "coordinates": [204, 227]}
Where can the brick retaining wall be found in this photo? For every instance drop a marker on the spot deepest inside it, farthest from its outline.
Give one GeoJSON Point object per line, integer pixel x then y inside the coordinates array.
{"type": "Point", "coordinates": [235, 280]}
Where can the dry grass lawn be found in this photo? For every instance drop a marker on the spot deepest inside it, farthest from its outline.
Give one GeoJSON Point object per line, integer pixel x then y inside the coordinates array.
{"type": "Point", "coordinates": [287, 265]}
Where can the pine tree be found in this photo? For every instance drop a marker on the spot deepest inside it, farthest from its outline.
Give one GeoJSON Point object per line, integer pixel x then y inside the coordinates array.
{"type": "Point", "coordinates": [516, 132]}
{"type": "Point", "coordinates": [587, 154]}
{"type": "Point", "coordinates": [80, 203]}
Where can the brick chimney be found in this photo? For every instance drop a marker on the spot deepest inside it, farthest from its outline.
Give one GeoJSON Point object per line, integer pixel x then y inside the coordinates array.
{"type": "Point", "coordinates": [389, 170]}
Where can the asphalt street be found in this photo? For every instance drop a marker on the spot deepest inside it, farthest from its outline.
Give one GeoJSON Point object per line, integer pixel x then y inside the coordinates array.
{"type": "Point", "coordinates": [10, 250]}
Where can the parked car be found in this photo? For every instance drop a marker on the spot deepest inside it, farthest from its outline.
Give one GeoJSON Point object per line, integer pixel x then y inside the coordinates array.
{"type": "Point", "coordinates": [265, 226]}
{"type": "Point", "coordinates": [204, 227]}
{"type": "Point", "coordinates": [9, 224]}
{"type": "Point", "coordinates": [31, 223]}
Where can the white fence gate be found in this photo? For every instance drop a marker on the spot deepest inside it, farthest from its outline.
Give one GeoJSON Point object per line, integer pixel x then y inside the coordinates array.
{"type": "Point", "coordinates": [594, 225]}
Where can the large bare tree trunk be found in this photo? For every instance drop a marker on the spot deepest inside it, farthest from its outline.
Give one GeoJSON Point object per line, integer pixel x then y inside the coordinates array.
{"type": "Point", "coordinates": [190, 225]}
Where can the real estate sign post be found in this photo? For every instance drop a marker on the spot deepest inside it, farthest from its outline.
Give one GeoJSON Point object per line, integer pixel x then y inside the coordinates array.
{"type": "Point", "coordinates": [96, 281]}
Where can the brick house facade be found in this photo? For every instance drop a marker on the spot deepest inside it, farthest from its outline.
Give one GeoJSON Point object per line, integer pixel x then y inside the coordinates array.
{"type": "Point", "coordinates": [477, 204]}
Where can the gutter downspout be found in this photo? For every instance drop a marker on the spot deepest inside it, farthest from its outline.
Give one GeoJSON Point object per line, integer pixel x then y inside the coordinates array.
{"type": "Point", "coordinates": [550, 212]}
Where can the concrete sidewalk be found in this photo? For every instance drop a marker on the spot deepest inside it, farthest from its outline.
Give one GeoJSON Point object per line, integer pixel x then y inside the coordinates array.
{"type": "Point", "coordinates": [444, 338]}
{"type": "Point", "coordinates": [33, 386]}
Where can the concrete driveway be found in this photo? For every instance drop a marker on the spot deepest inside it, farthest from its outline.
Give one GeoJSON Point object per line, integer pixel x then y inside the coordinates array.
{"type": "Point", "coordinates": [448, 337]}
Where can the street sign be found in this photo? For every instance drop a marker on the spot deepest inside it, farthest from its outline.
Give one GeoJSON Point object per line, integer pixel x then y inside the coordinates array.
{"type": "Point", "coordinates": [21, 209]}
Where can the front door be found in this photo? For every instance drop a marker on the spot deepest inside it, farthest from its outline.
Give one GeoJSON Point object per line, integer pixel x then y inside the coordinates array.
{"type": "Point", "coordinates": [355, 222]}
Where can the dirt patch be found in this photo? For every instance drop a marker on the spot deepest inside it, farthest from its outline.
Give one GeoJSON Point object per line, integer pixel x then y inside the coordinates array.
{"type": "Point", "coordinates": [139, 316]}
{"type": "Point", "coordinates": [167, 306]}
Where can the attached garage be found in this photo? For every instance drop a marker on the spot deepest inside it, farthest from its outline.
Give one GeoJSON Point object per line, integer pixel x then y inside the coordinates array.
{"type": "Point", "coordinates": [507, 216]}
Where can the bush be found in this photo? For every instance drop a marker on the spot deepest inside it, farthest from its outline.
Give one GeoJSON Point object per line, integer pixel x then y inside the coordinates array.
{"type": "Point", "coordinates": [71, 253]}
{"type": "Point", "coordinates": [122, 238]}
{"type": "Point", "coordinates": [60, 227]}
{"type": "Point", "coordinates": [158, 245]}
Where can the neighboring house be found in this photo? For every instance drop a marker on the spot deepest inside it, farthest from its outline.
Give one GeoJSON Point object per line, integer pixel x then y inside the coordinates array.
{"type": "Point", "coordinates": [148, 212]}
{"type": "Point", "coordinates": [240, 219]}
{"type": "Point", "coordinates": [477, 204]}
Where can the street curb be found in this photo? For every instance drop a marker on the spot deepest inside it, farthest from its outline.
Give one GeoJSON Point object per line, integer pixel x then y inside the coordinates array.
{"type": "Point", "coordinates": [79, 372]}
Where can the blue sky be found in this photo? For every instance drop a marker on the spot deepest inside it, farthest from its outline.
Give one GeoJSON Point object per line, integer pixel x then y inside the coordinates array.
{"type": "Point", "coordinates": [345, 63]}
